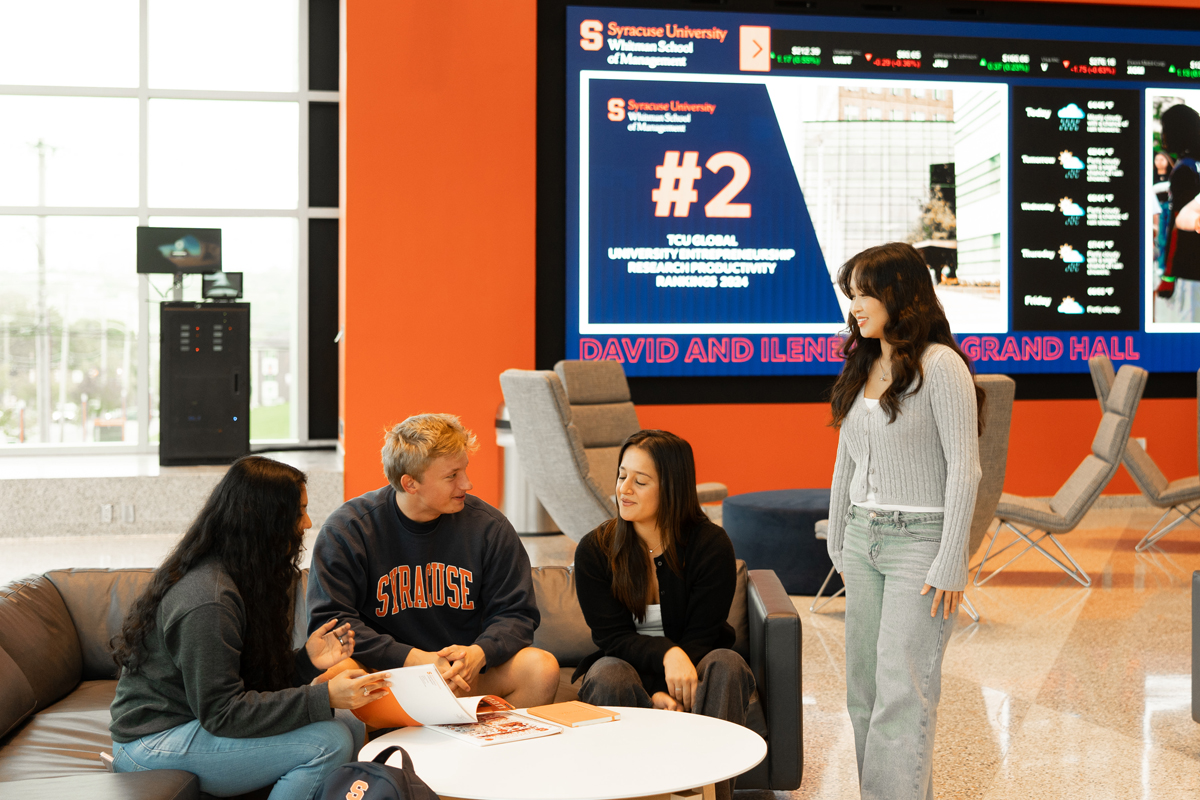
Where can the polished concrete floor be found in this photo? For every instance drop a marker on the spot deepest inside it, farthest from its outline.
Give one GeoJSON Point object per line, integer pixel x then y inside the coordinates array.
{"type": "Point", "coordinates": [1058, 692]}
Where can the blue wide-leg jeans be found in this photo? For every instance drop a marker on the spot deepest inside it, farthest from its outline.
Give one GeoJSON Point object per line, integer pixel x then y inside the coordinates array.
{"type": "Point", "coordinates": [293, 763]}
{"type": "Point", "coordinates": [894, 650]}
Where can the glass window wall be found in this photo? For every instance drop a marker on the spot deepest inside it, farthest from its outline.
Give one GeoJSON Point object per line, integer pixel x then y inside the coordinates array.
{"type": "Point", "coordinates": [213, 134]}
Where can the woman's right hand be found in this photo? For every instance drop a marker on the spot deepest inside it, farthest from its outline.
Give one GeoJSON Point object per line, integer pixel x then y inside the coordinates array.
{"type": "Point", "coordinates": [665, 702]}
{"type": "Point", "coordinates": [681, 677]}
{"type": "Point", "coordinates": [354, 688]}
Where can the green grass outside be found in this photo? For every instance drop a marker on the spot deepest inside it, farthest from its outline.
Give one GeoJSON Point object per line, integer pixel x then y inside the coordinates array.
{"type": "Point", "coordinates": [271, 422]}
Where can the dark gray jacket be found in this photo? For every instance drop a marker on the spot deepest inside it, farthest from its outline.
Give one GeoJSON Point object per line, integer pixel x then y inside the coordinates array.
{"type": "Point", "coordinates": [192, 670]}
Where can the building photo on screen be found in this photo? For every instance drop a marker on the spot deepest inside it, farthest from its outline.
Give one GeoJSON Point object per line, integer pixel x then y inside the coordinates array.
{"type": "Point", "coordinates": [721, 167]}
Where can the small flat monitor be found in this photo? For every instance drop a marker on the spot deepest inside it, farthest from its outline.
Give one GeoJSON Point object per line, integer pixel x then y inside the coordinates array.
{"type": "Point", "coordinates": [174, 250]}
{"type": "Point", "coordinates": [222, 286]}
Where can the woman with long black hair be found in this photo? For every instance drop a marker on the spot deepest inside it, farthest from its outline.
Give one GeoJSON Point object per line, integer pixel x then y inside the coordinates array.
{"type": "Point", "coordinates": [209, 682]}
{"type": "Point", "coordinates": [900, 510]}
{"type": "Point", "coordinates": [655, 584]}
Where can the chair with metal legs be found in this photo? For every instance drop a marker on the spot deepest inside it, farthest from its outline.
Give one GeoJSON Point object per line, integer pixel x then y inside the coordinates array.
{"type": "Point", "coordinates": [993, 461]}
{"type": "Point", "coordinates": [1064, 511]}
{"type": "Point", "coordinates": [822, 530]}
{"type": "Point", "coordinates": [1181, 496]}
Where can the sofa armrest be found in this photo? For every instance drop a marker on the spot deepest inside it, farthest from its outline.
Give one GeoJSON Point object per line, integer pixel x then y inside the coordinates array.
{"type": "Point", "coordinates": [154, 784]}
{"type": "Point", "coordinates": [775, 640]}
{"type": "Point", "coordinates": [712, 492]}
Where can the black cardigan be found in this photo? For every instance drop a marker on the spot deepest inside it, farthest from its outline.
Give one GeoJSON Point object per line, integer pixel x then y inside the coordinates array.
{"type": "Point", "coordinates": [695, 605]}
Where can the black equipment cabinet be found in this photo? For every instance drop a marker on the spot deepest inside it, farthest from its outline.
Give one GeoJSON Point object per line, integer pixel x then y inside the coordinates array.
{"type": "Point", "coordinates": [204, 383]}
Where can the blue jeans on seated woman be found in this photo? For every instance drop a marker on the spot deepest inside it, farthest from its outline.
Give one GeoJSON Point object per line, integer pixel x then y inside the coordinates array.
{"type": "Point", "coordinates": [894, 649]}
{"type": "Point", "coordinates": [295, 762]}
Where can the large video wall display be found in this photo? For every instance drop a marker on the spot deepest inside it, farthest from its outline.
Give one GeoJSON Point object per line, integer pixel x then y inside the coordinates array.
{"type": "Point", "coordinates": [721, 167]}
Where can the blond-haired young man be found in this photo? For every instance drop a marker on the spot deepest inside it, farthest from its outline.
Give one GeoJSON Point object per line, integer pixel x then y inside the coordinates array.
{"type": "Point", "coordinates": [428, 574]}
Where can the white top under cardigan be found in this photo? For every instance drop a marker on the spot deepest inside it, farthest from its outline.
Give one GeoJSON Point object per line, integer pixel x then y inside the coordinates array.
{"type": "Point", "coordinates": [652, 624]}
{"type": "Point", "coordinates": [869, 500]}
{"type": "Point", "coordinates": [928, 457]}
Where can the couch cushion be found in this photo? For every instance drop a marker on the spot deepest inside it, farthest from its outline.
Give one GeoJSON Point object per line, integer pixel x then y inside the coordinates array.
{"type": "Point", "coordinates": [88, 696]}
{"type": "Point", "coordinates": [567, 691]}
{"type": "Point", "coordinates": [98, 601]}
{"type": "Point", "coordinates": [64, 739]}
{"type": "Point", "coordinates": [155, 784]}
{"type": "Point", "coordinates": [16, 695]}
{"type": "Point", "coordinates": [37, 632]}
{"type": "Point", "coordinates": [562, 631]}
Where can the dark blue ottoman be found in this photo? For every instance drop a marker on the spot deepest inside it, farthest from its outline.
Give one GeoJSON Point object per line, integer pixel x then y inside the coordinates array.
{"type": "Point", "coordinates": [775, 530]}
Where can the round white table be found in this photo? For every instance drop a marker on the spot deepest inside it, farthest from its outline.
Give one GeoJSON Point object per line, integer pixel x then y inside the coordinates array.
{"type": "Point", "coordinates": [646, 753]}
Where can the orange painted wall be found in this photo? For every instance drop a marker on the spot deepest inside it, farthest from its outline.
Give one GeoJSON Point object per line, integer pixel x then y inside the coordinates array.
{"type": "Point", "coordinates": [439, 219]}
{"type": "Point", "coordinates": [438, 270]}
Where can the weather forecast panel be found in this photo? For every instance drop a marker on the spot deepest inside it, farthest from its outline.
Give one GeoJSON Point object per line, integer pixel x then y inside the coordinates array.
{"type": "Point", "coordinates": [722, 166]}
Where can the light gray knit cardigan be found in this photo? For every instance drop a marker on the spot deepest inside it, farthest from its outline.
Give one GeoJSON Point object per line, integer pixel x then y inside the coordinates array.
{"type": "Point", "coordinates": [928, 457]}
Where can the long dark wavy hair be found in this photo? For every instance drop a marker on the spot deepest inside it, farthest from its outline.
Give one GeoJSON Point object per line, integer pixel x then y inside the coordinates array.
{"type": "Point", "coordinates": [678, 511]}
{"type": "Point", "coordinates": [897, 276]}
{"type": "Point", "coordinates": [251, 525]}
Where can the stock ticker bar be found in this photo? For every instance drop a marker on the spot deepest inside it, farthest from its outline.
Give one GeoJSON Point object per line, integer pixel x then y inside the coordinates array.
{"type": "Point", "coordinates": [943, 55]}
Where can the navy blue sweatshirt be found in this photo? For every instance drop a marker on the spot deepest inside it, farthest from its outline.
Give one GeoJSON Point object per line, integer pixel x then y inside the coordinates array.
{"type": "Point", "coordinates": [465, 581]}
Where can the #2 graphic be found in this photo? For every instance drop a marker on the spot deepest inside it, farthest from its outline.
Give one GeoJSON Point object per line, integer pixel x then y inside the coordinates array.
{"type": "Point", "coordinates": [676, 180]}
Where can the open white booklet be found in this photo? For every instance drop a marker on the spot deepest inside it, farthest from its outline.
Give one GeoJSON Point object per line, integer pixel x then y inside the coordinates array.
{"type": "Point", "coordinates": [420, 696]}
{"type": "Point", "coordinates": [423, 695]}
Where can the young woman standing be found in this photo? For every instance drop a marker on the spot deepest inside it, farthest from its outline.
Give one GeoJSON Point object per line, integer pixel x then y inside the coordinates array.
{"type": "Point", "coordinates": [900, 512]}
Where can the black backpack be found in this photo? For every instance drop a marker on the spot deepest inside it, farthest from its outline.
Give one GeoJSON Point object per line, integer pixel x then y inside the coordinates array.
{"type": "Point", "coordinates": [375, 780]}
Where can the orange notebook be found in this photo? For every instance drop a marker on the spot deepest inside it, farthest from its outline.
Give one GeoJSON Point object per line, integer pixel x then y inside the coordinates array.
{"type": "Point", "coordinates": [574, 714]}
{"type": "Point", "coordinates": [419, 696]}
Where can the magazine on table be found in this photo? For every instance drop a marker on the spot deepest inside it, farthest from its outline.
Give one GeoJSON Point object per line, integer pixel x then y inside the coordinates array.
{"type": "Point", "coordinates": [497, 727]}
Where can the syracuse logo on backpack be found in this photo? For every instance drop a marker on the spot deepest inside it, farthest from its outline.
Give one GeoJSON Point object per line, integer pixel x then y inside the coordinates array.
{"type": "Point", "coordinates": [375, 780]}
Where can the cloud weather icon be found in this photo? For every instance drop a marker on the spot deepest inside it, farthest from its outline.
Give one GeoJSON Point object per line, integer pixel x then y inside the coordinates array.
{"type": "Point", "coordinates": [1070, 255]}
{"type": "Point", "coordinates": [1069, 160]}
{"type": "Point", "coordinates": [1069, 306]}
{"type": "Point", "coordinates": [1069, 116]}
{"type": "Point", "coordinates": [1069, 207]}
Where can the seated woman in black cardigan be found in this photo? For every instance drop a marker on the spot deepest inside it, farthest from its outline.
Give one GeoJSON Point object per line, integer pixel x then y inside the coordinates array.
{"type": "Point", "coordinates": [655, 585]}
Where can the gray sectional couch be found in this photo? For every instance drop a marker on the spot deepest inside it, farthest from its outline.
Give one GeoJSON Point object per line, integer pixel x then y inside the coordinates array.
{"type": "Point", "coordinates": [57, 678]}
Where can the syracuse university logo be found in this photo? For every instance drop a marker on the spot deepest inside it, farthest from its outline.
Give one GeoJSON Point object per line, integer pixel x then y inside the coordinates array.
{"type": "Point", "coordinates": [592, 33]}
